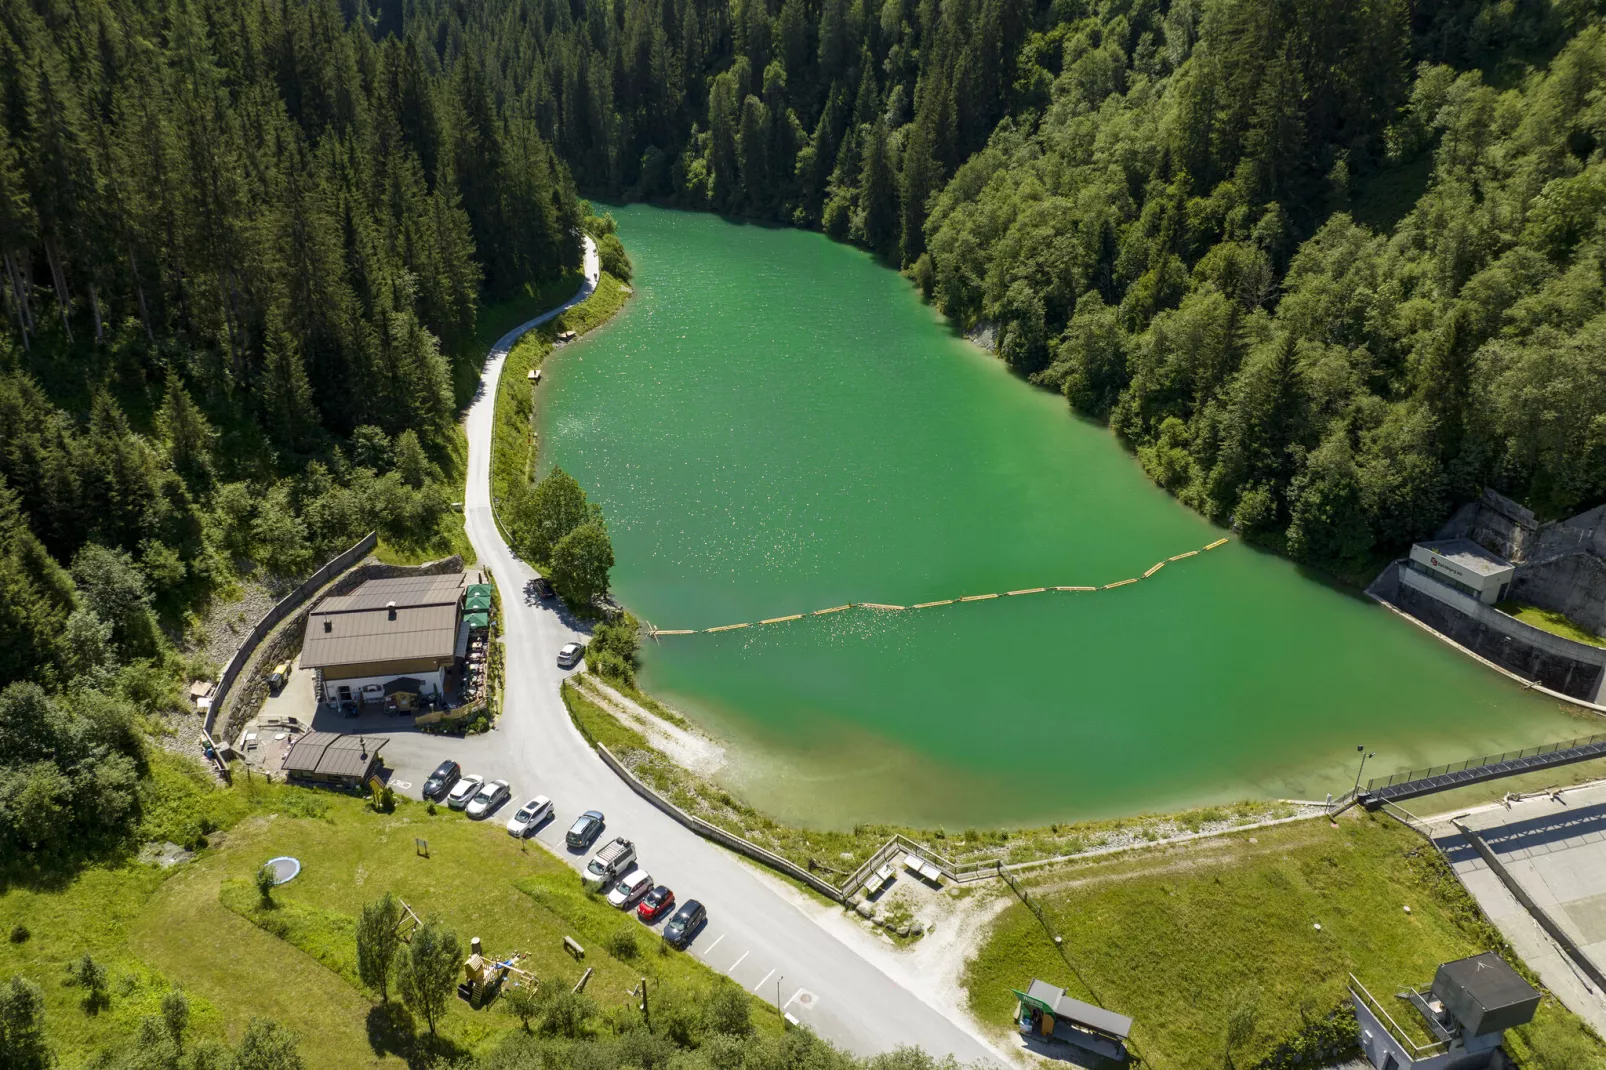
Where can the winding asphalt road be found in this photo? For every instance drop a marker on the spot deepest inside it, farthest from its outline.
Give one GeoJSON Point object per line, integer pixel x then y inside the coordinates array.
{"type": "Point", "coordinates": [754, 934]}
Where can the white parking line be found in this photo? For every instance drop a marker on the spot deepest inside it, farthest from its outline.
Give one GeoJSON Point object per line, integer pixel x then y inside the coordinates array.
{"type": "Point", "coordinates": [789, 1002]}
{"type": "Point", "coordinates": [713, 945]}
{"type": "Point", "coordinates": [760, 985]}
{"type": "Point", "coordinates": [738, 962]}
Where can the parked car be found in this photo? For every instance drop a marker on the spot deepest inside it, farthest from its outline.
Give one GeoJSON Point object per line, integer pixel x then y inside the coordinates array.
{"type": "Point", "coordinates": [441, 780]}
{"type": "Point", "coordinates": [585, 829]}
{"type": "Point", "coordinates": [543, 588]}
{"type": "Point", "coordinates": [278, 677]}
{"type": "Point", "coordinates": [466, 789]}
{"type": "Point", "coordinates": [530, 816]}
{"type": "Point", "coordinates": [605, 867]}
{"type": "Point", "coordinates": [684, 925]}
{"type": "Point", "coordinates": [658, 902]}
{"type": "Point", "coordinates": [570, 655]}
{"type": "Point", "coordinates": [631, 887]}
{"type": "Point", "coordinates": [489, 798]}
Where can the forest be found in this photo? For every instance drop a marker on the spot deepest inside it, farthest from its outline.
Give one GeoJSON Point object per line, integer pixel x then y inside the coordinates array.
{"type": "Point", "coordinates": [1327, 268]}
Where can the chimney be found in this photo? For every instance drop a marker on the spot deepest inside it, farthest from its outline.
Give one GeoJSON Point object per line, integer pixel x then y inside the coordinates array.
{"type": "Point", "coordinates": [390, 608]}
{"type": "Point", "coordinates": [328, 625]}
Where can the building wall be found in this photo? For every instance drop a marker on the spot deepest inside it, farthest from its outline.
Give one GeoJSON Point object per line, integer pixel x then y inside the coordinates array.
{"type": "Point", "coordinates": [1562, 665]}
{"type": "Point", "coordinates": [431, 680]}
{"type": "Point", "coordinates": [1488, 588]}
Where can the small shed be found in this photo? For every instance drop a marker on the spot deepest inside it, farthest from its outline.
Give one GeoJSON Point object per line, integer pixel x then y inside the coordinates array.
{"type": "Point", "coordinates": [1047, 1012]}
{"type": "Point", "coordinates": [333, 758]}
{"type": "Point", "coordinates": [1484, 994]}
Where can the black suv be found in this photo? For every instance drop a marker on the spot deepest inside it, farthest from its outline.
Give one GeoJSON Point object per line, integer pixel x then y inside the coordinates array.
{"type": "Point", "coordinates": [441, 780]}
{"type": "Point", "coordinates": [584, 830]}
{"type": "Point", "coordinates": [684, 925]}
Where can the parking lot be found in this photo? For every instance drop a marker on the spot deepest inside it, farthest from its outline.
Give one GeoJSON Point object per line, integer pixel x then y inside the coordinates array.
{"type": "Point", "coordinates": [412, 755]}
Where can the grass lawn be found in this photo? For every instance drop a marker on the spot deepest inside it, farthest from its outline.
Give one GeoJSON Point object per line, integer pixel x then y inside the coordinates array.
{"type": "Point", "coordinates": [1185, 938]}
{"type": "Point", "coordinates": [200, 924]}
{"type": "Point", "coordinates": [1551, 621]}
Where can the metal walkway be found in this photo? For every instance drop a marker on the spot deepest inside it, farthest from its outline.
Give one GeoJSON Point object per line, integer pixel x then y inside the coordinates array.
{"type": "Point", "coordinates": [1409, 785]}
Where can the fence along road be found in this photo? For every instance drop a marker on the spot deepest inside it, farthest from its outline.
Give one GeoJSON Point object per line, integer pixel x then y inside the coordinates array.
{"type": "Point", "coordinates": [752, 927]}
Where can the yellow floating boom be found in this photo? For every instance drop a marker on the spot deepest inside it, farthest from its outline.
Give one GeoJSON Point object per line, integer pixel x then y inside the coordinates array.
{"type": "Point", "coordinates": [676, 631]}
{"type": "Point", "coordinates": [782, 620]}
{"type": "Point", "coordinates": [1153, 569]}
{"type": "Point", "coordinates": [725, 628]}
{"type": "Point", "coordinates": [878, 605]}
{"type": "Point", "coordinates": [977, 597]}
{"type": "Point", "coordinates": [833, 609]}
{"type": "Point", "coordinates": [928, 605]}
{"type": "Point", "coordinates": [1215, 544]}
{"type": "Point", "coordinates": [1030, 590]}
{"type": "Point", "coordinates": [1119, 583]}
{"type": "Point", "coordinates": [1179, 557]}
{"type": "Point", "coordinates": [1076, 588]}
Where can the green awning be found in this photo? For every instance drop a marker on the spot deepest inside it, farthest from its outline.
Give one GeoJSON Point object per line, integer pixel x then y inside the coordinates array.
{"type": "Point", "coordinates": [478, 588]}
{"type": "Point", "coordinates": [476, 602]}
{"type": "Point", "coordinates": [1032, 1001]}
{"type": "Point", "coordinates": [477, 620]}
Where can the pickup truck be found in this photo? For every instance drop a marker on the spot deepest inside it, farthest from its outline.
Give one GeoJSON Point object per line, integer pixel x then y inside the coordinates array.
{"type": "Point", "coordinates": [607, 864]}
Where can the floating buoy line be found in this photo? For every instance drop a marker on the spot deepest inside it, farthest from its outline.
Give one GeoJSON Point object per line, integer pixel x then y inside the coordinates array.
{"type": "Point", "coordinates": [884, 607]}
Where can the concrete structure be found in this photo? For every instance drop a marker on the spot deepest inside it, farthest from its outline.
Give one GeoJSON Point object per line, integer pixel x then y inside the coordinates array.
{"type": "Point", "coordinates": [1464, 567]}
{"type": "Point", "coordinates": [1552, 848]}
{"type": "Point", "coordinates": [384, 632]}
{"type": "Point", "coordinates": [336, 760]}
{"type": "Point", "coordinates": [1467, 1009]}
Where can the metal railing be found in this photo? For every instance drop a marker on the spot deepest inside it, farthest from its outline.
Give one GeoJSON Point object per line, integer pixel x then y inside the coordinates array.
{"type": "Point", "coordinates": [1486, 760]}
{"type": "Point", "coordinates": [1417, 1051]}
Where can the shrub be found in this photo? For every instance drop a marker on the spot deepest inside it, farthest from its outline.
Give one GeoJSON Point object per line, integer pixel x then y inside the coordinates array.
{"type": "Point", "coordinates": [20, 933]}
{"type": "Point", "coordinates": [621, 944]}
{"type": "Point", "coordinates": [265, 880]}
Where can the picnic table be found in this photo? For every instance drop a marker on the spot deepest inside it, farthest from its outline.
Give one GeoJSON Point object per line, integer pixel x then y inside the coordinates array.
{"type": "Point", "coordinates": [878, 880]}
{"type": "Point", "coordinates": [921, 868]}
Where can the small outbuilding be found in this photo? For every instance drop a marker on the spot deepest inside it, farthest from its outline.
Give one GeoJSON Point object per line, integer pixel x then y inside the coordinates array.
{"type": "Point", "coordinates": [1047, 1013]}
{"type": "Point", "coordinates": [332, 758]}
{"type": "Point", "coordinates": [1466, 1011]}
{"type": "Point", "coordinates": [1464, 567]}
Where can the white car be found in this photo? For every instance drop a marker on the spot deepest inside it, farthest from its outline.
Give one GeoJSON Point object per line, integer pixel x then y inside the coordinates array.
{"type": "Point", "coordinates": [631, 887]}
{"type": "Point", "coordinates": [570, 655]}
{"type": "Point", "coordinates": [529, 816]}
{"type": "Point", "coordinates": [465, 790]}
{"type": "Point", "coordinates": [489, 798]}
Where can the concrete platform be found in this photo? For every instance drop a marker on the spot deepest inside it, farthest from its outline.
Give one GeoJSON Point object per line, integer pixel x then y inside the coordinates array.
{"type": "Point", "coordinates": [1555, 848]}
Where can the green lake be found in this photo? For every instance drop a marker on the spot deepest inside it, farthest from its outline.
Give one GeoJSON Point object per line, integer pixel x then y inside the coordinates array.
{"type": "Point", "coordinates": [776, 424]}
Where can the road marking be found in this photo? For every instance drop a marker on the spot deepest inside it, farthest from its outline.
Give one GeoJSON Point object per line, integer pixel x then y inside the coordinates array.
{"type": "Point", "coordinates": [738, 962]}
{"type": "Point", "coordinates": [767, 976]}
{"type": "Point", "coordinates": [402, 784]}
{"type": "Point", "coordinates": [713, 945]}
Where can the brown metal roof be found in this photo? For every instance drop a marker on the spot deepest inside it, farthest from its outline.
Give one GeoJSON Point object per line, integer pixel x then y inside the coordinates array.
{"type": "Point", "coordinates": [332, 754]}
{"type": "Point", "coordinates": [406, 591]}
{"type": "Point", "coordinates": [358, 628]}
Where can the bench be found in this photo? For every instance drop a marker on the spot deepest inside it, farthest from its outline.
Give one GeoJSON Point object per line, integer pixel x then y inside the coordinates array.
{"type": "Point", "coordinates": [921, 868]}
{"type": "Point", "coordinates": [572, 946]}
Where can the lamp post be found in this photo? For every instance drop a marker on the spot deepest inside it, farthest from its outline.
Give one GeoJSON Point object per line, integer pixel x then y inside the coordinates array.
{"type": "Point", "coordinates": [1364, 755]}
{"type": "Point", "coordinates": [778, 1009]}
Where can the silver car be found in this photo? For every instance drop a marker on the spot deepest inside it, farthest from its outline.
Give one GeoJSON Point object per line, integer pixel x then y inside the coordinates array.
{"type": "Point", "coordinates": [570, 655]}
{"type": "Point", "coordinates": [631, 887]}
{"type": "Point", "coordinates": [465, 790]}
{"type": "Point", "coordinates": [530, 815]}
{"type": "Point", "coordinates": [489, 798]}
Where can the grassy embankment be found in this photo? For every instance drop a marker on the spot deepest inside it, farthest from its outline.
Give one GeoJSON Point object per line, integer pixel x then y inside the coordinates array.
{"type": "Point", "coordinates": [1187, 940]}
{"type": "Point", "coordinates": [823, 850]}
{"type": "Point", "coordinates": [199, 924]}
{"type": "Point", "coordinates": [1551, 621]}
{"type": "Point", "coordinates": [514, 447]}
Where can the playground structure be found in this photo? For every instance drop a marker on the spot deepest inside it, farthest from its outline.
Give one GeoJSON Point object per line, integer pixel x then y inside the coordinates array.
{"type": "Point", "coordinates": [484, 976]}
{"type": "Point", "coordinates": [885, 607]}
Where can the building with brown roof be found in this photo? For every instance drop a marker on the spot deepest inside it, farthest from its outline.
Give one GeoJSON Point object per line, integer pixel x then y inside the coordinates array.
{"type": "Point", "coordinates": [362, 643]}
{"type": "Point", "coordinates": [343, 761]}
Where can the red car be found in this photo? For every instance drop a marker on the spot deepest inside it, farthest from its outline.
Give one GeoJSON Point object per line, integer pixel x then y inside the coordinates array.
{"type": "Point", "coordinates": [657, 903]}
